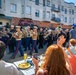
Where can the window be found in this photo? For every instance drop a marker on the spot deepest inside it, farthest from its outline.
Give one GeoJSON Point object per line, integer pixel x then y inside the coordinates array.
{"type": "Point", "coordinates": [73, 20]}
{"type": "Point", "coordinates": [0, 3]}
{"type": "Point", "coordinates": [65, 11]}
{"type": "Point", "coordinates": [48, 14]}
{"type": "Point", "coordinates": [62, 17]}
{"type": "Point", "coordinates": [59, 16]}
{"type": "Point", "coordinates": [22, 9]}
{"type": "Point", "coordinates": [69, 11]}
{"type": "Point", "coordinates": [53, 15]}
{"type": "Point", "coordinates": [28, 10]}
{"type": "Point", "coordinates": [70, 20]}
{"type": "Point", "coordinates": [37, 13]}
{"type": "Point", "coordinates": [73, 12]}
{"type": "Point", "coordinates": [43, 2]}
{"type": "Point", "coordinates": [62, 8]}
{"type": "Point", "coordinates": [13, 8]}
{"type": "Point", "coordinates": [48, 2]}
{"type": "Point", "coordinates": [65, 19]}
{"type": "Point", "coordinates": [37, 2]}
{"type": "Point", "coordinates": [0, 23]}
{"type": "Point", "coordinates": [59, 7]}
{"type": "Point", "coordinates": [43, 14]}
{"type": "Point", "coordinates": [53, 6]}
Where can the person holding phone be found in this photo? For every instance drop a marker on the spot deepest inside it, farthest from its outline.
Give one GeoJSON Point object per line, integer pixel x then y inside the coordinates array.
{"type": "Point", "coordinates": [54, 62]}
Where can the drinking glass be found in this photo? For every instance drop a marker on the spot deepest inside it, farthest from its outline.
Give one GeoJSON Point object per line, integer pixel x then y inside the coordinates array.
{"type": "Point", "coordinates": [25, 57]}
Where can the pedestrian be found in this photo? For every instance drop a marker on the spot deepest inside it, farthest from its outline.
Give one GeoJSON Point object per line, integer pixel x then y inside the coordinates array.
{"type": "Point", "coordinates": [73, 33]}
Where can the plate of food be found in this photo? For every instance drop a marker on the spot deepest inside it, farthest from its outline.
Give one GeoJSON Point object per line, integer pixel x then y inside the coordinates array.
{"type": "Point", "coordinates": [24, 65]}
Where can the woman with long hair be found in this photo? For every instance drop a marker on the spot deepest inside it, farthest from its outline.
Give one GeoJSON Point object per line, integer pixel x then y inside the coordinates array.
{"type": "Point", "coordinates": [54, 62]}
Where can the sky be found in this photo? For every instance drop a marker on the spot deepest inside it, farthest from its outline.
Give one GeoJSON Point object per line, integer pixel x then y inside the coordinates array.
{"type": "Point", "coordinates": [74, 1]}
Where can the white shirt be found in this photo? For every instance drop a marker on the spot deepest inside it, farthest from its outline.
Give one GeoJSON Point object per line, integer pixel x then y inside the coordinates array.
{"type": "Point", "coordinates": [8, 69]}
{"type": "Point", "coordinates": [72, 49]}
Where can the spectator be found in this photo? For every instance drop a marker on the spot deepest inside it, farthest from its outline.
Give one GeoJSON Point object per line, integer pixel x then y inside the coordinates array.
{"type": "Point", "coordinates": [72, 46]}
{"type": "Point", "coordinates": [73, 33]}
{"type": "Point", "coordinates": [54, 62]}
{"type": "Point", "coordinates": [61, 39]}
{"type": "Point", "coordinates": [61, 42]}
{"type": "Point", "coordinates": [67, 36]}
{"type": "Point", "coordinates": [72, 57]}
{"type": "Point", "coordinates": [6, 68]}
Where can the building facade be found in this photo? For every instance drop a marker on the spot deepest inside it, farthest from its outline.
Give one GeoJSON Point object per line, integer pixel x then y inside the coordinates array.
{"type": "Point", "coordinates": [41, 12]}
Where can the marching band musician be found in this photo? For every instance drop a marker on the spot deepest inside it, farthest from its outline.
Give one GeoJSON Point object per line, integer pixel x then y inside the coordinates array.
{"type": "Point", "coordinates": [28, 39]}
{"type": "Point", "coordinates": [49, 37]}
{"type": "Point", "coordinates": [12, 41]}
{"type": "Point", "coordinates": [23, 37]}
{"type": "Point", "coordinates": [34, 41]}
{"type": "Point", "coordinates": [18, 37]}
{"type": "Point", "coordinates": [40, 39]}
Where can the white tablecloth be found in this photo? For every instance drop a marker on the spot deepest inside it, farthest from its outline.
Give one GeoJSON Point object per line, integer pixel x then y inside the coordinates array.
{"type": "Point", "coordinates": [29, 71]}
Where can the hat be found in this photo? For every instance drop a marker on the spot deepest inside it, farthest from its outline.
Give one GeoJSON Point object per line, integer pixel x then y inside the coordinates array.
{"type": "Point", "coordinates": [58, 28]}
{"type": "Point", "coordinates": [28, 26]}
{"type": "Point", "coordinates": [17, 26]}
{"type": "Point", "coordinates": [35, 27]}
{"type": "Point", "coordinates": [49, 30]}
{"type": "Point", "coordinates": [12, 25]}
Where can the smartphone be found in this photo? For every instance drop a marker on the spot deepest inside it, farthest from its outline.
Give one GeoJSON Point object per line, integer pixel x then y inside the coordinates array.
{"type": "Point", "coordinates": [35, 55]}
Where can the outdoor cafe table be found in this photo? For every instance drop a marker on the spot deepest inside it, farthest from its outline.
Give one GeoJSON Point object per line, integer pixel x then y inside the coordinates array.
{"type": "Point", "coordinates": [29, 71]}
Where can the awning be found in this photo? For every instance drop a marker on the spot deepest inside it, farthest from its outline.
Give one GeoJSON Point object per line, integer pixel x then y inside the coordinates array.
{"type": "Point", "coordinates": [54, 25]}
{"type": "Point", "coordinates": [45, 24]}
{"type": "Point", "coordinates": [2, 15]}
{"type": "Point", "coordinates": [41, 23]}
{"type": "Point", "coordinates": [6, 17]}
{"type": "Point", "coordinates": [36, 22]}
{"type": "Point", "coordinates": [25, 22]}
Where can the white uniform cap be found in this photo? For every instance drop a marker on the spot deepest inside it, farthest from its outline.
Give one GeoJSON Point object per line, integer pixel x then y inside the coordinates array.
{"type": "Point", "coordinates": [17, 26]}
{"type": "Point", "coordinates": [28, 26]}
{"type": "Point", "coordinates": [35, 27]}
{"type": "Point", "coordinates": [49, 30]}
{"type": "Point", "coordinates": [12, 25]}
